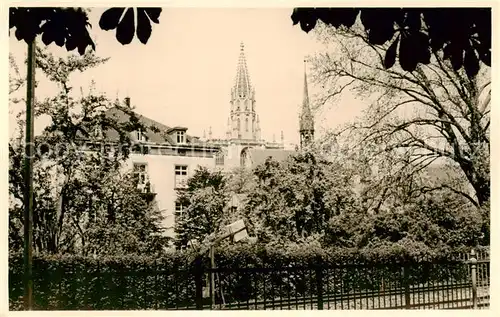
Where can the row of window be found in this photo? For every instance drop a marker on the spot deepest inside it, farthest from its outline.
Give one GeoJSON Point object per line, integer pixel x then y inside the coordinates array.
{"type": "Point", "coordinates": [141, 136]}
{"type": "Point", "coordinates": [180, 180]}
{"type": "Point", "coordinates": [180, 174]}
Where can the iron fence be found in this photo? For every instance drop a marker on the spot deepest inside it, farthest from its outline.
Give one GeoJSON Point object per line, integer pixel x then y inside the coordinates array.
{"type": "Point", "coordinates": [414, 285]}
{"type": "Point", "coordinates": [422, 284]}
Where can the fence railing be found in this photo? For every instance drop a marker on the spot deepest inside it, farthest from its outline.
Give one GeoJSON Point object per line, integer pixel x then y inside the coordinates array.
{"type": "Point", "coordinates": [459, 283]}
{"type": "Point", "coordinates": [451, 284]}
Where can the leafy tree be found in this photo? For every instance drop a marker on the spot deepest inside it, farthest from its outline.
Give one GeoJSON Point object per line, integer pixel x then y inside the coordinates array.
{"type": "Point", "coordinates": [69, 26]}
{"type": "Point", "coordinates": [295, 199]}
{"type": "Point", "coordinates": [434, 114]}
{"type": "Point", "coordinates": [430, 221]}
{"type": "Point", "coordinates": [15, 79]}
{"type": "Point", "coordinates": [204, 203]}
{"type": "Point", "coordinates": [83, 201]}
{"type": "Point", "coordinates": [463, 34]}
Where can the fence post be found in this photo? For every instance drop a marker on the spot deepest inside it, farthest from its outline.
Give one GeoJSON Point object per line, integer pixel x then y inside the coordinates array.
{"type": "Point", "coordinates": [319, 284]}
{"type": "Point", "coordinates": [198, 279]}
{"type": "Point", "coordinates": [473, 262]}
{"type": "Point", "coordinates": [406, 283]}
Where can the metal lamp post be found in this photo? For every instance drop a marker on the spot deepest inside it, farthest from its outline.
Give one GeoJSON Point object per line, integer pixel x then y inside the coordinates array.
{"type": "Point", "coordinates": [28, 178]}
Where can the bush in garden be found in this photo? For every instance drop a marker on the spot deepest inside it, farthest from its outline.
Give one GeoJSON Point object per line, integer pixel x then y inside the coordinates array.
{"type": "Point", "coordinates": [138, 282]}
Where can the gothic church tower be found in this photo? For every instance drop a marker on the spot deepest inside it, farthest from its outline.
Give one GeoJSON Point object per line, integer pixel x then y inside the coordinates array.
{"type": "Point", "coordinates": [243, 121]}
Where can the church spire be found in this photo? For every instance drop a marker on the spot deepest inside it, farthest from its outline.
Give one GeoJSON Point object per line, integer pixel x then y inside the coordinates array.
{"type": "Point", "coordinates": [243, 120]}
{"type": "Point", "coordinates": [306, 117]}
{"type": "Point", "coordinates": [242, 87]}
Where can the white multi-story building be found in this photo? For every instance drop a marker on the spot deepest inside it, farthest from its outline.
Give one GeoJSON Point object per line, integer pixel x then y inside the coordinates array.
{"type": "Point", "coordinates": [166, 158]}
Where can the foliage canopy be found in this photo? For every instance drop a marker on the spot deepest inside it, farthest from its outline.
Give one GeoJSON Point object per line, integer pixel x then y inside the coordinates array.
{"type": "Point", "coordinates": [463, 34]}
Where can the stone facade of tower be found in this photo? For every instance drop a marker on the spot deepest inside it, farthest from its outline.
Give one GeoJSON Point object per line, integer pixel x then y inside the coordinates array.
{"type": "Point", "coordinates": [306, 118]}
{"type": "Point", "coordinates": [243, 126]}
{"type": "Point", "coordinates": [243, 123]}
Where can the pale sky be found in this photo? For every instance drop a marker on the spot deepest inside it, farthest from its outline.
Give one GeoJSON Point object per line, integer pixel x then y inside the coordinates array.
{"type": "Point", "coordinates": [184, 75]}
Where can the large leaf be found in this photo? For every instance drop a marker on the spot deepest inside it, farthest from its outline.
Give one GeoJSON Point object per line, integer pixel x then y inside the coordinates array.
{"type": "Point", "coordinates": [56, 25]}
{"type": "Point", "coordinates": [471, 63]}
{"type": "Point", "coordinates": [390, 55]}
{"type": "Point", "coordinates": [449, 29]}
{"type": "Point", "coordinates": [69, 26]}
{"type": "Point", "coordinates": [143, 26]}
{"type": "Point", "coordinates": [110, 18]}
{"type": "Point", "coordinates": [126, 28]}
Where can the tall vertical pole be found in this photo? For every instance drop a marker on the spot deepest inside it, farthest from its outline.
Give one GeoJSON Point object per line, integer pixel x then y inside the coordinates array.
{"type": "Point", "coordinates": [473, 262]}
{"type": "Point", "coordinates": [406, 283]}
{"type": "Point", "coordinates": [212, 275]}
{"type": "Point", "coordinates": [28, 179]}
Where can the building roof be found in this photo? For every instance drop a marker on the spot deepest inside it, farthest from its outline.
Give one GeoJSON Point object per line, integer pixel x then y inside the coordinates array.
{"type": "Point", "coordinates": [156, 132]}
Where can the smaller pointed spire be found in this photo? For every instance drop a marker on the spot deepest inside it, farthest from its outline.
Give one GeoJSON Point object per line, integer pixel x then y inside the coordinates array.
{"type": "Point", "coordinates": [210, 133]}
{"type": "Point", "coordinates": [274, 138]}
{"type": "Point", "coordinates": [306, 117]}
{"type": "Point", "coordinates": [117, 99]}
{"type": "Point", "coordinates": [204, 134]}
{"type": "Point", "coordinates": [305, 101]}
{"type": "Point", "coordinates": [282, 137]}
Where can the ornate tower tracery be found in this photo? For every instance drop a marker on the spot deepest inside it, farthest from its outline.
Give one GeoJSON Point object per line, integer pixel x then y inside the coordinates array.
{"type": "Point", "coordinates": [243, 122]}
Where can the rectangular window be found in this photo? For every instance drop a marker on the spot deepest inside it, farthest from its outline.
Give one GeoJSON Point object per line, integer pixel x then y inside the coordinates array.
{"type": "Point", "coordinates": [140, 136]}
{"type": "Point", "coordinates": [140, 171]}
{"type": "Point", "coordinates": [219, 158]}
{"type": "Point", "coordinates": [180, 137]}
{"type": "Point", "coordinates": [181, 176]}
{"type": "Point", "coordinates": [179, 209]}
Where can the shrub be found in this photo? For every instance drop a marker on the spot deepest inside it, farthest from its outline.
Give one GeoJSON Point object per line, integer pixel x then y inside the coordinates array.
{"type": "Point", "coordinates": [138, 282]}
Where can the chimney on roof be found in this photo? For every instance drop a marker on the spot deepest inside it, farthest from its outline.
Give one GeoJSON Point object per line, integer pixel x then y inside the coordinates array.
{"type": "Point", "coordinates": [127, 102]}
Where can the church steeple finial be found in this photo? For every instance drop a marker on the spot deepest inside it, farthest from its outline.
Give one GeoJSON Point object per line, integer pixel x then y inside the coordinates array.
{"type": "Point", "coordinates": [242, 86]}
{"type": "Point", "coordinates": [306, 117]}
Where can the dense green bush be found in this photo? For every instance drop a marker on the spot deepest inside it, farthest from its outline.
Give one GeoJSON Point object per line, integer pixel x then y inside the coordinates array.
{"type": "Point", "coordinates": [128, 282]}
{"type": "Point", "coordinates": [135, 282]}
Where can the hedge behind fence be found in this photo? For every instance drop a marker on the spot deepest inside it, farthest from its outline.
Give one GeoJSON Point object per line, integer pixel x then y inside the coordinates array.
{"type": "Point", "coordinates": [134, 282]}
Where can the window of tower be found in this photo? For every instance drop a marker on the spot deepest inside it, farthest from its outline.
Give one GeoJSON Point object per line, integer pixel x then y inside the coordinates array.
{"type": "Point", "coordinates": [246, 124]}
